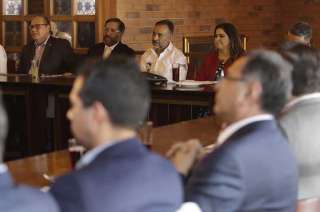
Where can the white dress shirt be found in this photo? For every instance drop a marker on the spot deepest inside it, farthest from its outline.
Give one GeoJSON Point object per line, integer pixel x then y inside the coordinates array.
{"type": "Point", "coordinates": [3, 60]}
{"type": "Point", "coordinates": [162, 64]}
{"type": "Point", "coordinates": [189, 207]}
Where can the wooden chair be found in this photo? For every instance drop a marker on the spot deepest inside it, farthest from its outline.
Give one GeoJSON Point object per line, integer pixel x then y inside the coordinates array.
{"type": "Point", "coordinates": [196, 47]}
{"type": "Point", "coordinates": [309, 205]}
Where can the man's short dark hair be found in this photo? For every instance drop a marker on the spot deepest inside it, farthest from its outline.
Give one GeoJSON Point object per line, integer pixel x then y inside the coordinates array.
{"type": "Point", "coordinates": [306, 69]}
{"type": "Point", "coordinates": [121, 26]}
{"type": "Point", "coordinates": [274, 74]}
{"type": "Point", "coordinates": [302, 29]}
{"type": "Point", "coordinates": [119, 85]}
{"type": "Point", "coordinates": [168, 23]}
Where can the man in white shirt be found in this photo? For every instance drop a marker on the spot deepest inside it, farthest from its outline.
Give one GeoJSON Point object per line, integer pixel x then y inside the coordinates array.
{"type": "Point", "coordinates": [246, 172]}
{"type": "Point", "coordinates": [301, 118]}
{"type": "Point", "coordinates": [164, 55]}
{"type": "Point", "coordinates": [3, 60]}
{"type": "Point", "coordinates": [18, 198]}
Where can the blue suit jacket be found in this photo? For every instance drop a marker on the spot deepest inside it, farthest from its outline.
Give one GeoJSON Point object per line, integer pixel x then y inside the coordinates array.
{"type": "Point", "coordinates": [124, 177]}
{"type": "Point", "coordinates": [254, 170]}
{"type": "Point", "coordinates": [23, 199]}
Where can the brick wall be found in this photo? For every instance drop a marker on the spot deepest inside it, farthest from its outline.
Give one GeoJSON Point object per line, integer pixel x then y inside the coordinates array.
{"type": "Point", "coordinates": [260, 20]}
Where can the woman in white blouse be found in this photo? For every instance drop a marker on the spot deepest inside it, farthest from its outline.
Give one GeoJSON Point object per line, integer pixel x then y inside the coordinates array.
{"type": "Point", "coordinates": [3, 61]}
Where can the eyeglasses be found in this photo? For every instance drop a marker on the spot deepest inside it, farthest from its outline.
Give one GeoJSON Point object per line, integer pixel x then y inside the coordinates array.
{"type": "Point", "coordinates": [36, 26]}
{"type": "Point", "coordinates": [106, 29]}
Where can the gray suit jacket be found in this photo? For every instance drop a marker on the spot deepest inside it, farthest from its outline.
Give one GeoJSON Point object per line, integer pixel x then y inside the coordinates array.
{"type": "Point", "coordinates": [254, 170]}
{"type": "Point", "coordinates": [23, 199]}
{"type": "Point", "coordinates": [301, 123]}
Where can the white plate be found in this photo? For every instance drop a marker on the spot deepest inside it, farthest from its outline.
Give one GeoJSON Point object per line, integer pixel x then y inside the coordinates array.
{"type": "Point", "coordinates": [189, 88]}
{"type": "Point", "coordinates": [193, 83]}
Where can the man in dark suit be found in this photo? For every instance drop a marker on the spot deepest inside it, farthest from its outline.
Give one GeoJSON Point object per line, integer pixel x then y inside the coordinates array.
{"type": "Point", "coordinates": [300, 32]}
{"type": "Point", "coordinates": [252, 167]}
{"type": "Point", "coordinates": [111, 45]}
{"type": "Point", "coordinates": [118, 173]}
{"type": "Point", "coordinates": [50, 55]}
{"type": "Point", "coordinates": [18, 198]}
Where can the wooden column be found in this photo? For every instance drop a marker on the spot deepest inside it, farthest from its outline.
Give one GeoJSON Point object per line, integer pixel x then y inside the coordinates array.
{"type": "Point", "coordinates": [104, 10]}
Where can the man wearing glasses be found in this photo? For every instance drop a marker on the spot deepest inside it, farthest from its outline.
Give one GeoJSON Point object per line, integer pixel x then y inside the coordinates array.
{"type": "Point", "coordinates": [111, 45]}
{"type": "Point", "coordinates": [252, 167]}
{"type": "Point", "coordinates": [50, 55]}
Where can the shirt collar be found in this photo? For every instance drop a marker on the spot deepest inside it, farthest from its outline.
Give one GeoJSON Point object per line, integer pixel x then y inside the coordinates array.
{"type": "Point", "coordinates": [3, 168]}
{"type": "Point", "coordinates": [89, 156]}
{"type": "Point", "coordinates": [43, 43]}
{"type": "Point", "coordinates": [299, 99]}
{"type": "Point", "coordinates": [168, 49]}
{"type": "Point", "coordinates": [111, 47]}
{"type": "Point", "coordinates": [234, 127]}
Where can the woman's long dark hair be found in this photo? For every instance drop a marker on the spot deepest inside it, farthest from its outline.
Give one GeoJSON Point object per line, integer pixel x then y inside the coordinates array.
{"type": "Point", "coordinates": [236, 49]}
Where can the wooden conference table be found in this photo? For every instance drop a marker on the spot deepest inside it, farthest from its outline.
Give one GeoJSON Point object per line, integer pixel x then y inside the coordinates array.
{"type": "Point", "coordinates": [27, 102]}
{"type": "Point", "coordinates": [30, 170]}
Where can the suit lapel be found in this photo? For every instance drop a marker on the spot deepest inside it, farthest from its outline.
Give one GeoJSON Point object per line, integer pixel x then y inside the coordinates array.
{"type": "Point", "coordinates": [100, 50]}
{"type": "Point", "coordinates": [117, 47]}
{"type": "Point", "coordinates": [32, 50]}
{"type": "Point", "coordinates": [46, 53]}
{"type": "Point", "coordinates": [250, 128]}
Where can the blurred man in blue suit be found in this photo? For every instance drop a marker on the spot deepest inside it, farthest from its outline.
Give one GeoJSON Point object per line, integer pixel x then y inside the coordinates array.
{"type": "Point", "coordinates": [252, 167]}
{"type": "Point", "coordinates": [17, 198]}
{"type": "Point", "coordinates": [118, 173]}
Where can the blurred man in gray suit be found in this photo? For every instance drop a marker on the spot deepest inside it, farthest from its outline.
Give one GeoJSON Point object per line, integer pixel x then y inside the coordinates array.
{"type": "Point", "coordinates": [19, 198]}
{"type": "Point", "coordinates": [301, 118]}
{"type": "Point", "coordinates": [252, 167]}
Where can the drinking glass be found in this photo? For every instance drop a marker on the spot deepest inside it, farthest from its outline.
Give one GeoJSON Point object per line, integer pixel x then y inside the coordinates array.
{"type": "Point", "coordinates": [75, 150]}
{"type": "Point", "coordinates": [146, 135]}
{"type": "Point", "coordinates": [175, 72]}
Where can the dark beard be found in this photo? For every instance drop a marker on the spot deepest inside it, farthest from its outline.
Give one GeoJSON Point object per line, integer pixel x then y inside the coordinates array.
{"type": "Point", "coordinates": [109, 41]}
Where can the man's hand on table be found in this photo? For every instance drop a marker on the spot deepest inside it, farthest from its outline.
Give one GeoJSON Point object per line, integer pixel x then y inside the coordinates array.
{"type": "Point", "coordinates": [184, 155]}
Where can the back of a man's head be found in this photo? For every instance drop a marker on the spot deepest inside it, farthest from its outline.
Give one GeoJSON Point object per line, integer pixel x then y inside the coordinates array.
{"type": "Point", "coordinates": [118, 84]}
{"type": "Point", "coordinates": [274, 74]}
{"type": "Point", "coordinates": [306, 69]}
{"type": "Point", "coordinates": [302, 29]}
{"type": "Point", "coordinates": [3, 128]}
